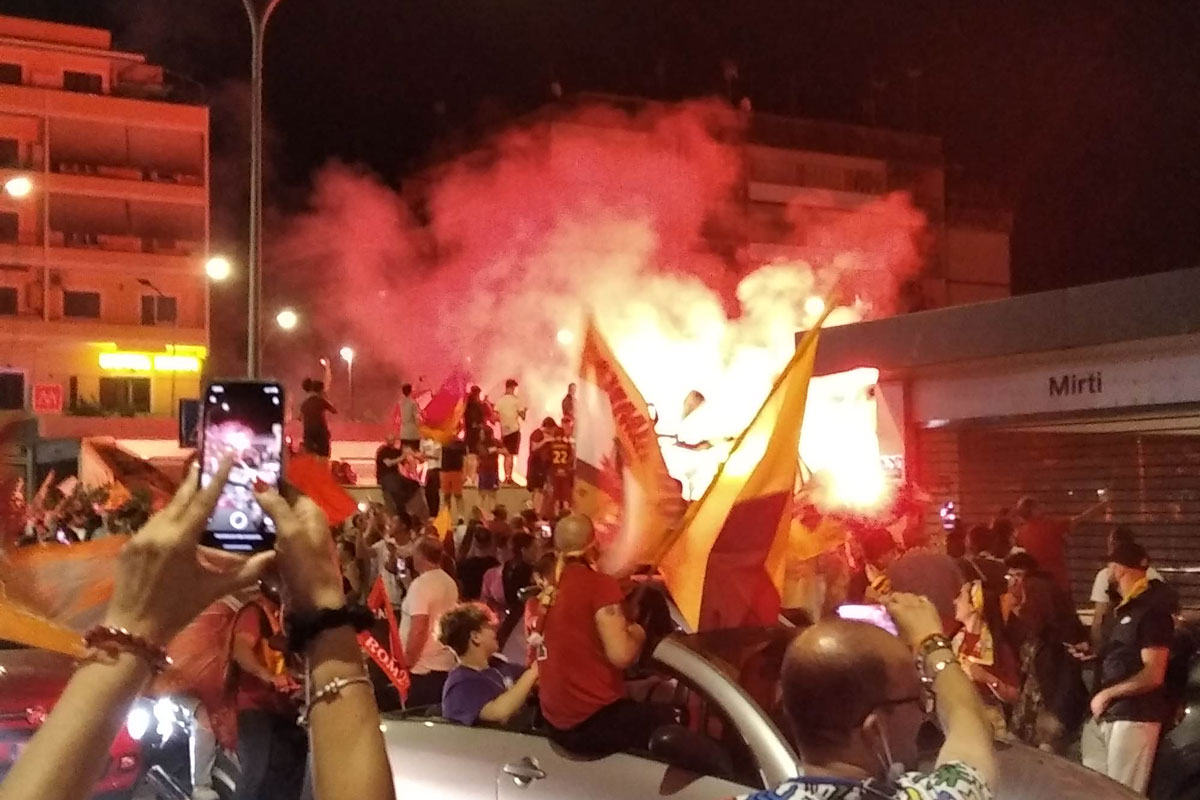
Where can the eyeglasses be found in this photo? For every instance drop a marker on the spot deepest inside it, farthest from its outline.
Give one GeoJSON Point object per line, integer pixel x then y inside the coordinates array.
{"type": "Point", "coordinates": [926, 701]}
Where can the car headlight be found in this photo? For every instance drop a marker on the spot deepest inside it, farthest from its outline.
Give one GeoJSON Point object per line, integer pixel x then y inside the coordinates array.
{"type": "Point", "coordinates": [137, 722]}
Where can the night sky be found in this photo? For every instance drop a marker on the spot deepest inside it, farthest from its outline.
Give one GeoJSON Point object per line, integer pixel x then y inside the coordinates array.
{"type": "Point", "coordinates": [1084, 116]}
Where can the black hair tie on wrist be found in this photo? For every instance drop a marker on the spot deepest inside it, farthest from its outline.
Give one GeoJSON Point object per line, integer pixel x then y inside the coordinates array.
{"type": "Point", "coordinates": [301, 629]}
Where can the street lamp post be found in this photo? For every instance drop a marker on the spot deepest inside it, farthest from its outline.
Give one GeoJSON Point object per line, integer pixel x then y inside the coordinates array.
{"type": "Point", "coordinates": [347, 354]}
{"type": "Point", "coordinates": [258, 13]}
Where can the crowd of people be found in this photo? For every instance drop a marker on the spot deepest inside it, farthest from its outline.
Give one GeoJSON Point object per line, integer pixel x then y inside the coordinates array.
{"type": "Point", "coordinates": [1004, 599]}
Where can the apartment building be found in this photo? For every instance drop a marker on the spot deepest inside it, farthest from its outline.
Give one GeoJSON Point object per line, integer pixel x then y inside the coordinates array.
{"type": "Point", "coordinates": [104, 227]}
{"type": "Point", "coordinates": [828, 169]}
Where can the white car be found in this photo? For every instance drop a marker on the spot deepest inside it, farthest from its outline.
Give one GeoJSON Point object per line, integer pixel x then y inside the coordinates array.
{"type": "Point", "coordinates": [724, 687]}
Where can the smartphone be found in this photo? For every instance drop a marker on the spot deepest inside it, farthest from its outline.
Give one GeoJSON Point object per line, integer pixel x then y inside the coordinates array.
{"type": "Point", "coordinates": [875, 614]}
{"type": "Point", "coordinates": [243, 419]}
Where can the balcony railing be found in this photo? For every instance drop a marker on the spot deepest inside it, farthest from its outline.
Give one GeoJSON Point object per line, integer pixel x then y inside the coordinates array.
{"type": "Point", "coordinates": [125, 243]}
{"type": "Point", "coordinates": [127, 173]}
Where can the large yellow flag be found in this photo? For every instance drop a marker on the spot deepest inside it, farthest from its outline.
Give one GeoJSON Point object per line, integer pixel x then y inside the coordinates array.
{"type": "Point", "coordinates": [621, 479]}
{"type": "Point", "coordinates": [726, 566]}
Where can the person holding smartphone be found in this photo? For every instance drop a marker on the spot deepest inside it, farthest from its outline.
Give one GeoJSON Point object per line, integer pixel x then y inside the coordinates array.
{"type": "Point", "coordinates": [857, 696]}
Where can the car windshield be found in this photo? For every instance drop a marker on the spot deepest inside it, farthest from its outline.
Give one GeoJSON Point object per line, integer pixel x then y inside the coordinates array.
{"type": "Point", "coordinates": [750, 657]}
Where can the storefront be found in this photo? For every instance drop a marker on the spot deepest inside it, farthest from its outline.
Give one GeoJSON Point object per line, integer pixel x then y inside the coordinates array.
{"type": "Point", "coordinates": [1070, 396]}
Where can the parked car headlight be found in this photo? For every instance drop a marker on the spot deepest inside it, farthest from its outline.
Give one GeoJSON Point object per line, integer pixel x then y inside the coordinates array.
{"type": "Point", "coordinates": [137, 721]}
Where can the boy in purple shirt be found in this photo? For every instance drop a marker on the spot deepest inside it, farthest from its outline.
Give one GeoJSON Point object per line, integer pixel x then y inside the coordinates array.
{"type": "Point", "coordinates": [478, 689]}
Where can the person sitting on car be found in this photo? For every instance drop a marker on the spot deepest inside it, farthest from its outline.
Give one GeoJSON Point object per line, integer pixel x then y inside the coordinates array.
{"type": "Point", "coordinates": [480, 689]}
{"type": "Point", "coordinates": [587, 644]}
{"type": "Point", "coordinates": [857, 696]}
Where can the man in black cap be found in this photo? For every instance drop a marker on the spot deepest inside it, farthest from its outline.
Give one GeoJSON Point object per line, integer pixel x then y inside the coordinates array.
{"type": "Point", "coordinates": [1121, 738]}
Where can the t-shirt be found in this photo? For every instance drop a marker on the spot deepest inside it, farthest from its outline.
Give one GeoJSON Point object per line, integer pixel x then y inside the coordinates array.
{"type": "Point", "coordinates": [468, 690]}
{"type": "Point", "coordinates": [951, 781]}
{"type": "Point", "coordinates": [1142, 622]}
{"type": "Point", "coordinates": [559, 458]}
{"type": "Point", "coordinates": [454, 455]}
{"type": "Point", "coordinates": [568, 407]}
{"type": "Point", "coordinates": [387, 452]}
{"type": "Point", "coordinates": [1104, 580]}
{"type": "Point", "coordinates": [576, 679]}
{"type": "Point", "coordinates": [1045, 538]}
{"type": "Point", "coordinates": [431, 451]}
{"type": "Point", "coordinates": [312, 412]}
{"type": "Point", "coordinates": [489, 457]}
{"type": "Point", "coordinates": [433, 593]}
{"type": "Point", "coordinates": [410, 419]}
{"type": "Point", "coordinates": [509, 408]}
{"type": "Point", "coordinates": [474, 413]}
{"type": "Point", "coordinates": [251, 623]}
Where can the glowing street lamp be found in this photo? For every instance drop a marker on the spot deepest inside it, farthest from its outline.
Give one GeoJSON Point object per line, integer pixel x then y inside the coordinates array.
{"type": "Point", "coordinates": [287, 319]}
{"type": "Point", "coordinates": [814, 306]}
{"type": "Point", "coordinates": [18, 187]}
{"type": "Point", "coordinates": [218, 268]}
{"type": "Point", "coordinates": [347, 354]}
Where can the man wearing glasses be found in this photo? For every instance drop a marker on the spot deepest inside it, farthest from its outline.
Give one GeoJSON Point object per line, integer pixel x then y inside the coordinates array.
{"type": "Point", "coordinates": [857, 697]}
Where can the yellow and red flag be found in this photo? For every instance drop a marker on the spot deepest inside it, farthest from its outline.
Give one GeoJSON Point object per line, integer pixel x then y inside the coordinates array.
{"type": "Point", "coordinates": [621, 479]}
{"type": "Point", "coordinates": [725, 569]}
{"type": "Point", "coordinates": [442, 416]}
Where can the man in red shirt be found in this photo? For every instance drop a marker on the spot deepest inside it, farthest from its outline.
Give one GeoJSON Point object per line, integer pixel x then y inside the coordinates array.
{"type": "Point", "coordinates": [588, 644]}
{"type": "Point", "coordinates": [1045, 538]}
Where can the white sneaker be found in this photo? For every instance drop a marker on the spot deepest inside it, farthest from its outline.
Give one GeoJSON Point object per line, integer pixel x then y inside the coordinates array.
{"type": "Point", "coordinates": [205, 793]}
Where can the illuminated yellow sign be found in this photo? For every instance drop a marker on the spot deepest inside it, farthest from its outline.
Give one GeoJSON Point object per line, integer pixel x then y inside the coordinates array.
{"type": "Point", "coordinates": [148, 362]}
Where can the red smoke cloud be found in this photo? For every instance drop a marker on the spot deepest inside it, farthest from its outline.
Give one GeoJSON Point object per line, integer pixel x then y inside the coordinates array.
{"type": "Point", "coordinates": [632, 218]}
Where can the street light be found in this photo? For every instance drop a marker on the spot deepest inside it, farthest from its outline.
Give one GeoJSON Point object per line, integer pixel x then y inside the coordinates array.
{"type": "Point", "coordinates": [218, 268]}
{"type": "Point", "coordinates": [258, 12]}
{"type": "Point", "coordinates": [18, 187]}
{"type": "Point", "coordinates": [287, 319]}
{"type": "Point", "coordinates": [347, 354]}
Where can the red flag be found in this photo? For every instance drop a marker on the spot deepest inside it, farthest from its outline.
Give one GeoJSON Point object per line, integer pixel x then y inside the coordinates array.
{"type": "Point", "coordinates": [442, 415]}
{"type": "Point", "coordinates": [312, 476]}
{"type": "Point", "coordinates": [391, 663]}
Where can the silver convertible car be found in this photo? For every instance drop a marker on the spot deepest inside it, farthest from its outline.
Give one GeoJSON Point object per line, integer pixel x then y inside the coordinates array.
{"type": "Point", "coordinates": [729, 740]}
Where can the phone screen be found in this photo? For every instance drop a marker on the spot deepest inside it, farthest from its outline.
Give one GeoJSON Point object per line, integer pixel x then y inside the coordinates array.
{"type": "Point", "coordinates": [875, 614]}
{"type": "Point", "coordinates": [243, 419]}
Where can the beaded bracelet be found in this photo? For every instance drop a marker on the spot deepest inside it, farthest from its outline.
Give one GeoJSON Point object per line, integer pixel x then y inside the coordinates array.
{"type": "Point", "coordinates": [114, 640]}
{"type": "Point", "coordinates": [329, 691]}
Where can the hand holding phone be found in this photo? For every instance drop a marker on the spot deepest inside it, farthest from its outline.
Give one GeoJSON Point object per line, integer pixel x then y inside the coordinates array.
{"type": "Point", "coordinates": [877, 615]}
{"type": "Point", "coordinates": [242, 420]}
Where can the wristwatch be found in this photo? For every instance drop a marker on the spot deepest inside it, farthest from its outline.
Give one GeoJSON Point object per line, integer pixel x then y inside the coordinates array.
{"type": "Point", "coordinates": [934, 654]}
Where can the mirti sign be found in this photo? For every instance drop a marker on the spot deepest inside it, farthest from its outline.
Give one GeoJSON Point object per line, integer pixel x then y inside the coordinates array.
{"type": "Point", "coordinates": [1049, 386]}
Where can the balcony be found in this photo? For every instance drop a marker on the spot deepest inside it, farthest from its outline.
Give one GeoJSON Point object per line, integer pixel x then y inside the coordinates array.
{"type": "Point", "coordinates": [29, 328]}
{"type": "Point", "coordinates": [127, 182]}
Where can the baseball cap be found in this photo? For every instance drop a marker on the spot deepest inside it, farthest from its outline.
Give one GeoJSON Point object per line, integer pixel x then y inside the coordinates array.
{"type": "Point", "coordinates": [1129, 554]}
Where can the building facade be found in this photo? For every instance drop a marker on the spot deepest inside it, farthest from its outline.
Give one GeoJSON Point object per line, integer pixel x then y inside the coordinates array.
{"type": "Point", "coordinates": [104, 227]}
{"type": "Point", "coordinates": [1072, 397]}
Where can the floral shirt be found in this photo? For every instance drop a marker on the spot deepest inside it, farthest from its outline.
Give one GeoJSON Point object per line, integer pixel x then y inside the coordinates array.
{"type": "Point", "coordinates": [952, 781]}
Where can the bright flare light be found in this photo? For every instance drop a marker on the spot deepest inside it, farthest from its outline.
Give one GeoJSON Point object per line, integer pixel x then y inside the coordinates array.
{"type": "Point", "coordinates": [137, 722]}
{"type": "Point", "coordinates": [565, 337]}
{"type": "Point", "coordinates": [347, 354]}
{"type": "Point", "coordinates": [218, 268]}
{"type": "Point", "coordinates": [18, 187]}
{"type": "Point", "coordinates": [287, 319]}
{"type": "Point", "coordinates": [814, 306]}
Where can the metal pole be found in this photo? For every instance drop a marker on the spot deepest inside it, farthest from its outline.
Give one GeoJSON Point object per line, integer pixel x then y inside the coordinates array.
{"type": "Point", "coordinates": [350, 385]}
{"type": "Point", "coordinates": [253, 276]}
{"type": "Point", "coordinates": [258, 30]}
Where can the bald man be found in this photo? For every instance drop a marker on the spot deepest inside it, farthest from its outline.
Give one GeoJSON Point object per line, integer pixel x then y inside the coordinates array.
{"type": "Point", "coordinates": [588, 645]}
{"type": "Point", "coordinates": [857, 696]}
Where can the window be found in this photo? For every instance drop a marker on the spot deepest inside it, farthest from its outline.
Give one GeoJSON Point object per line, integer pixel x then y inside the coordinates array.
{"type": "Point", "coordinates": [8, 226]}
{"type": "Point", "coordinates": [86, 82]}
{"type": "Point", "coordinates": [12, 391]}
{"type": "Point", "coordinates": [10, 153]}
{"type": "Point", "coordinates": [125, 395]}
{"type": "Point", "coordinates": [81, 304]}
{"type": "Point", "coordinates": [10, 73]}
{"type": "Point", "coordinates": [158, 310]}
{"type": "Point", "coordinates": [9, 298]}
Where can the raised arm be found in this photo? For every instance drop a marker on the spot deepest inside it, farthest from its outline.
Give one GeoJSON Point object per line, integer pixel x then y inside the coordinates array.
{"type": "Point", "coordinates": [350, 760]}
{"type": "Point", "coordinates": [959, 708]}
{"type": "Point", "coordinates": [163, 581]}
